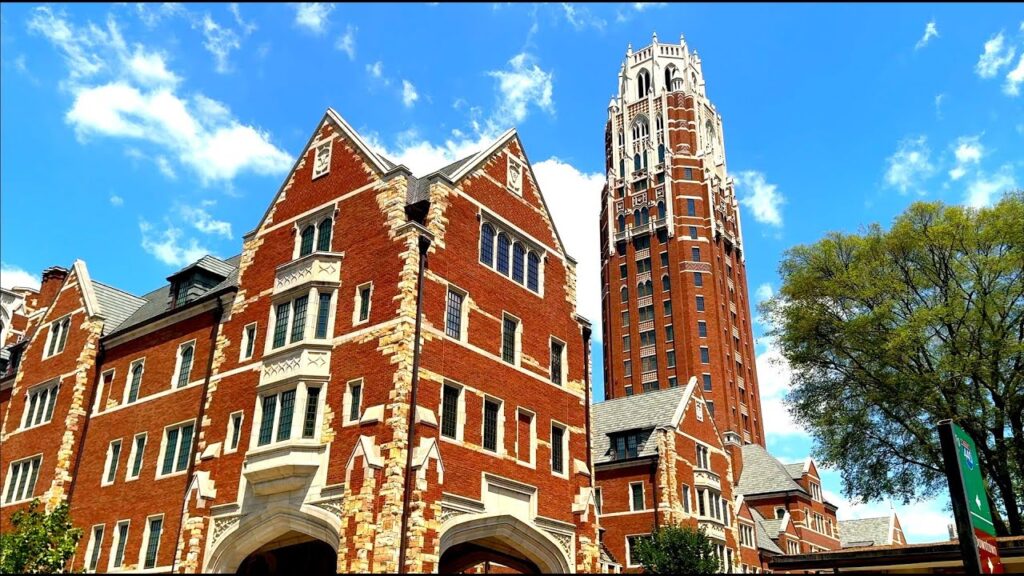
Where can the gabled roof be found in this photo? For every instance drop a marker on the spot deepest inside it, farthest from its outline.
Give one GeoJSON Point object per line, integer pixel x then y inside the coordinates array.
{"type": "Point", "coordinates": [116, 305]}
{"type": "Point", "coordinates": [763, 474]}
{"type": "Point", "coordinates": [866, 532]}
{"type": "Point", "coordinates": [641, 412]}
{"type": "Point", "coordinates": [210, 264]}
{"type": "Point", "coordinates": [764, 540]}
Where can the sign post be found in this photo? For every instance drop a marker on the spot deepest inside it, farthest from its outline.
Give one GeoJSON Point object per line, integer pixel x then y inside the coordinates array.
{"type": "Point", "coordinates": [970, 503]}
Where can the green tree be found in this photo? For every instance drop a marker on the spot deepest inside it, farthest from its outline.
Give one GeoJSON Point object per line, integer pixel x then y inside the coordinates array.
{"type": "Point", "coordinates": [39, 542]}
{"type": "Point", "coordinates": [676, 550]}
{"type": "Point", "coordinates": [888, 332]}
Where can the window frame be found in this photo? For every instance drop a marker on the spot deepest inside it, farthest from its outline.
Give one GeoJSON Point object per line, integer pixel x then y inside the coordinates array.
{"type": "Point", "coordinates": [357, 318]}
{"type": "Point", "coordinates": [95, 546]}
{"type": "Point", "coordinates": [11, 484]}
{"type": "Point", "coordinates": [460, 412]}
{"type": "Point", "coordinates": [632, 496]}
{"type": "Point", "coordinates": [346, 402]}
{"type": "Point", "coordinates": [629, 548]}
{"type": "Point", "coordinates": [46, 393]}
{"type": "Point", "coordinates": [146, 534]}
{"type": "Point", "coordinates": [248, 341]}
{"type": "Point", "coordinates": [463, 312]}
{"type": "Point", "coordinates": [499, 425]}
{"type": "Point", "coordinates": [231, 434]}
{"type": "Point", "coordinates": [565, 448]}
{"type": "Point", "coordinates": [125, 399]}
{"type": "Point", "coordinates": [135, 454]}
{"type": "Point", "coordinates": [176, 377]}
{"type": "Point", "coordinates": [162, 455]}
{"type": "Point", "coordinates": [563, 359]}
{"type": "Point", "coordinates": [59, 329]}
{"type": "Point", "coordinates": [113, 562]}
{"type": "Point", "coordinates": [517, 345]}
{"type": "Point", "coordinates": [314, 220]}
{"type": "Point", "coordinates": [111, 462]}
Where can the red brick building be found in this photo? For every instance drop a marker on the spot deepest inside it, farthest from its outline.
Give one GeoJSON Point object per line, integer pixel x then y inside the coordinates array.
{"type": "Point", "coordinates": [255, 412]}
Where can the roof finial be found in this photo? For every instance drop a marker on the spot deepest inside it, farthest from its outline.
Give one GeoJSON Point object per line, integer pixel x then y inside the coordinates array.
{"type": "Point", "coordinates": [682, 40]}
{"type": "Point", "coordinates": [654, 37]}
{"type": "Point", "coordinates": [629, 49]}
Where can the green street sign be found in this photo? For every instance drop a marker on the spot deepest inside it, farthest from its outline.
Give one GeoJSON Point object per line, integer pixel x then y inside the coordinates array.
{"type": "Point", "coordinates": [974, 486]}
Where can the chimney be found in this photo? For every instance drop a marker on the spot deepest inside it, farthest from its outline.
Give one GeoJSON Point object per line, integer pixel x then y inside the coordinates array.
{"type": "Point", "coordinates": [734, 446]}
{"type": "Point", "coordinates": [53, 279]}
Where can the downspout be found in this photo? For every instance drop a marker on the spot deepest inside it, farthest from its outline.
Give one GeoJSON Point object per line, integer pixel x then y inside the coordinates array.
{"type": "Point", "coordinates": [586, 394]}
{"type": "Point", "coordinates": [85, 426]}
{"type": "Point", "coordinates": [424, 245]}
{"type": "Point", "coordinates": [214, 332]}
{"type": "Point", "coordinates": [654, 482]}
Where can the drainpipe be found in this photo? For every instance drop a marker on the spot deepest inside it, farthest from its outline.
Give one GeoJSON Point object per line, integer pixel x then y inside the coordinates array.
{"type": "Point", "coordinates": [586, 392]}
{"type": "Point", "coordinates": [654, 482]}
{"type": "Point", "coordinates": [424, 244]}
{"type": "Point", "coordinates": [217, 314]}
{"type": "Point", "coordinates": [88, 417]}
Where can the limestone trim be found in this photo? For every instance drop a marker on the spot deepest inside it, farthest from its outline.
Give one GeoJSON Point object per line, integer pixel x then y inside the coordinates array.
{"type": "Point", "coordinates": [536, 545]}
{"type": "Point", "coordinates": [233, 538]}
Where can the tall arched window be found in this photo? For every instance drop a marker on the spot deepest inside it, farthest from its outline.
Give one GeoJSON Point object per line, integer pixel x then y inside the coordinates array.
{"type": "Point", "coordinates": [641, 128]}
{"type": "Point", "coordinates": [487, 244]}
{"type": "Point", "coordinates": [533, 271]}
{"type": "Point", "coordinates": [661, 209]}
{"type": "Point", "coordinates": [659, 123]}
{"type": "Point", "coordinates": [306, 244]}
{"type": "Point", "coordinates": [133, 390]}
{"type": "Point", "coordinates": [503, 244]}
{"type": "Point", "coordinates": [622, 167]}
{"type": "Point", "coordinates": [643, 82]}
{"type": "Point", "coordinates": [622, 222]}
{"type": "Point", "coordinates": [661, 153]}
{"type": "Point", "coordinates": [625, 294]}
{"type": "Point", "coordinates": [186, 365]}
{"type": "Point", "coordinates": [645, 216]}
{"type": "Point", "coordinates": [636, 218]}
{"type": "Point", "coordinates": [666, 284]}
{"type": "Point", "coordinates": [636, 162]}
{"type": "Point", "coordinates": [641, 290]}
{"type": "Point", "coordinates": [518, 253]}
{"type": "Point", "coordinates": [323, 240]}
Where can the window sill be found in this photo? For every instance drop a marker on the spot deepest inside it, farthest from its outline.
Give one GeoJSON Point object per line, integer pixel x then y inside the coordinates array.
{"type": "Point", "coordinates": [16, 502]}
{"type": "Point", "coordinates": [171, 474]}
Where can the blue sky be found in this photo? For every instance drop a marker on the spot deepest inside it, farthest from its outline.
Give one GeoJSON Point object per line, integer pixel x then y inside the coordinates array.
{"type": "Point", "coordinates": [138, 138]}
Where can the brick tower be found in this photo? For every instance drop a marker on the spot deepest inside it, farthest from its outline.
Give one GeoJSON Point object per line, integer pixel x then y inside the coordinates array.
{"type": "Point", "coordinates": [675, 301]}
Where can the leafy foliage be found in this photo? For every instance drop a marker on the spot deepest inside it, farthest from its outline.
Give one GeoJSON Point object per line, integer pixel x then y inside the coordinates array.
{"type": "Point", "coordinates": [888, 332]}
{"type": "Point", "coordinates": [676, 550]}
{"type": "Point", "coordinates": [40, 542]}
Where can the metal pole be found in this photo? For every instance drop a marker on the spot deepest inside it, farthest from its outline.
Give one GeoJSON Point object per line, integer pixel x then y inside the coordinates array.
{"type": "Point", "coordinates": [424, 244]}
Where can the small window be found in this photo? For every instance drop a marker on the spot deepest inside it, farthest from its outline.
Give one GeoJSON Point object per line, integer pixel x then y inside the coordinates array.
{"type": "Point", "coordinates": [780, 512]}
{"type": "Point", "coordinates": [691, 207]}
{"type": "Point", "coordinates": [624, 294]}
{"type": "Point", "coordinates": [707, 382]}
{"type": "Point", "coordinates": [58, 336]}
{"type": "Point", "coordinates": [135, 458]}
{"type": "Point", "coordinates": [705, 355]}
{"type": "Point", "coordinates": [353, 402]}
{"type": "Point", "coordinates": [702, 328]}
{"type": "Point", "coordinates": [598, 500]}
{"type": "Point", "coordinates": [451, 406]}
{"type": "Point", "coordinates": [323, 315]}
{"type": "Point", "coordinates": [299, 306]}
{"type": "Point", "coordinates": [310, 417]}
{"type": "Point", "coordinates": [154, 528]}
{"type": "Point", "coordinates": [248, 341]}
{"type": "Point", "coordinates": [625, 318]}
{"type": "Point", "coordinates": [559, 438]}
{"type": "Point", "coordinates": [626, 445]}
{"type": "Point", "coordinates": [627, 368]}
{"type": "Point", "coordinates": [487, 244]}
{"type": "Point", "coordinates": [670, 333]}
{"type": "Point", "coordinates": [306, 240]}
{"type": "Point", "coordinates": [281, 324]}
{"type": "Point", "coordinates": [323, 237]}
{"type": "Point", "coordinates": [278, 412]}
{"type": "Point", "coordinates": [113, 457]}
{"type": "Point", "coordinates": [672, 382]}
{"type": "Point", "coordinates": [21, 479]}
{"type": "Point", "coordinates": [703, 457]}
{"type": "Point", "coordinates": [636, 496]}
{"type": "Point", "coordinates": [667, 305]}
{"type": "Point", "coordinates": [693, 232]}
{"type": "Point", "coordinates": [363, 294]}
{"type": "Point", "coordinates": [557, 358]}
{"type": "Point", "coordinates": [631, 542]}
{"type": "Point", "coordinates": [453, 313]}
{"type": "Point", "coordinates": [622, 271]}
{"type": "Point", "coordinates": [626, 342]}
{"type": "Point", "coordinates": [234, 431]}
{"type": "Point", "coordinates": [491, 432]}
{"type": "Point", "coordinates": [664, 259]}
{"type": "Point", "coordinates": [117, 546]}
{"type": "Point", "coordinates": [135, 380]}
{"type": "Point", "coordinates": [503, 246]}
{"type": "Point", "coordinates": [698, 279]}
{"type": "Point", "coordinates": [700, 303]}
{"type": "Point", "coordinates": [686, 498]}
{"type": "Point", "coordinates": [176, 448]}
{"type": "Point", "coordinates": [518, 262]}
{"type": "Point", "coordinates": [533, 271]}
{"type": "Point", "coordinates": [510, 340]}
{"type": "Point", "coordinates": [666, 284]}
{"type": "Point", "coordinates": [184, 367]}
{"type": "Point", "coordinates": [711, 408]}
{"type": "Point", "coordinates": [95, 544]}
{"type": "Point", "coordinates": [671, 359]}
{"type": "Point", "coordinates": [688, 173]}
{"type": "Point", "coordinates": [695, 254]}
{"type": "Point", "coordinates": [39, 404]}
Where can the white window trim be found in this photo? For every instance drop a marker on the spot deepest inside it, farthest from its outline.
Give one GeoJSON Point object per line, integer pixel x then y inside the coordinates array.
{"type": "Point", "coordinates": [331, 311]}
{"type": "Point", "coordinates": [298, 416]}
{"type": "Point", "coordinates": [163, 447]}
{"type": "Point", "coordinates": [11, 478]}
{"type": "Point", "coordinates": [128, 380]}
{"type": "Point", "coordinates": [40, 407]}
{"type": "Point", "coordinates": [369, 306]}
{"type": "Point", "coordinates": [460, 413]}
{"type": "Point", "coordinates": [517, 352]}
{"type": "Point", "coordinates": [565, 448]}
{"type": "Point", "coordinates": [347, 402]}
{"type": "Point", "coordinates": [643, 495]}
{"type": "Point", "coordinates": [98, 406]}
{"type": "Point", "coordinates": [132, 455]}
{"type": "Point", "coordinates": [55, 334]}
{"type": "Point", "coordinates": [753, 534]}
{"type": "Point", "coordinates": [629, 559]}
{"type": "Point", "coordinates": [246, 340]}
{"type": "Point", "coordinates": [499, 436]}
{"type": "Point", "coordinates": [564, 360]}
{"type": "Point", "coordinates": [109, 461]}
{"type": "Point", "coordinates": [598, 500]}
{"type": "Point", "coordinates": [532, 462]}
{"type": "Point", "coordinates": [289, 297]}
{"type": "Point", "coordinates": [177, 364]}
{"type": "Point", "coordinates": [93, 544]}
{"type": "Point", "coordinates": [114, 542]}
{"type": "Point", "coordinates": [145, 543]}
{"type": "Point", "coordinates": [315, 219]}
{"type": "Point", "coordinates": [227, 437]}
{"type": "Point", "coordinates": [686, 495]}
{"type": "Point", "coordinates": [463, 313]}
{"type": "Point", "coordinates": [514, 235]}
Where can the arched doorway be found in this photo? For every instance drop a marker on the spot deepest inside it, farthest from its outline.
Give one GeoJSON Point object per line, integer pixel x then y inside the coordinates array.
{"type": "Point", "coordinates": [481, 543]}
{"type": "Point", "coordinates": [293, 553]}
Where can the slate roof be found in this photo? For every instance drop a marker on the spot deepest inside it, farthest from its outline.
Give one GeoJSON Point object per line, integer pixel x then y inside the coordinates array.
{"type": "Point", "coordinates": [155, 302]}
{"type": "Point", "coordinates": [772, 527]}
{"type": "Point", "coordinates": [763, 474]}
{"type": "Point", "coordinates": [764, 541]}
{"type": "Point", "coordinates": [115, 305]}
{"type": "Point", "coordinates": [454, 167]}
{"type": "Point", "coordinates": [641, 412]}
{"type": "Point", "coordinates": [796, 470]}
{"type": "Point", "coordinates": [865, 532]}
{"type": "Point", "coordinates": [211, 264]}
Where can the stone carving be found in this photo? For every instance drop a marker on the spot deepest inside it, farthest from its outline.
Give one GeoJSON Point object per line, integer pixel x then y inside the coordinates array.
{"type": "Point", "coordinates": [564, 541]}
{"type": "Point", "coordinates": [322, 164]}
{"type": "Point", "coordinates": [449, 513]}
{"type": "Point", "coordinates": [222, 526]}
{"type": "Point", "coordinates": [333, 506]}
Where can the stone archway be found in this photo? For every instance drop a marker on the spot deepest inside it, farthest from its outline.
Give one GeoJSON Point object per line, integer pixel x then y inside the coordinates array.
{"type": "Point", "coordinates": [470, 539]}
{"type": "Point", "coordinates": [262, 540]}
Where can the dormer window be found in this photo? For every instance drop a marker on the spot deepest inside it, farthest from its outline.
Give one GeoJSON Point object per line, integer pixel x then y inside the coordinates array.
{"type": "Point", "coordinates": [626, 445]}
{"type": "Point", "coordinates": [197, 279]}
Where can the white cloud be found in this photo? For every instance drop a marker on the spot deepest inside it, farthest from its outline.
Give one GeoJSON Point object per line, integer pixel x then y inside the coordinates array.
{"type": "Point", "coordinates": [923, 521]}
{"type": "Point", "coordinates": [376, 69]}
{"type": "Point", "coordinates": [152, 14]}
{"type": "Point", "coordinates": [116, 200]}
{"type": "Point", "coordinates": [202, 220]}
{"type": "Point", "coordinates": [219, 41]}
{"type": "Point", "coordinates": [11, 276]}
{"type": "Point", "coordinates": [930, 31]}
{"type": "Point", "coordinates": [995, 56]}
{"type": "Point", "coordinates": [763, 199]}
{"type": "Point", "coordinates": [938, 105]}
{"type": "Point", "coordinates": [968, 151]}
{"type": "Point", "coordinates": [641, 6]}
{"type": "Point", "coordinates": [166, 246]}
{"type": "Point", "coordinates": [347, 42]}
{"type": "Point", "coordinates": [132, 95]}
{"type": "Point", "coordinates": [247, 27]}
{"type": "Point", "coordinates": [423, 157]}
{"type": "Point", "coordinates": [909, 166]}
{"type": "Point", "coordinates": [573, 197]}
{"type": "Point", "coordinates": [164, 165]}
{"type": "Point", "coordinates": [522, 85]}
{"type": "Point", "coordinates": [774, 376]}
{"type": "Point", "coordinates": [764, 292]}
{"type": "Point", "coordinates": [1014, 79]}
{"type": "Point", "coordinates": [313, 16]}
{"type": "Point", "coordinates": [985, 189]}
{"type": "Point", "coordinates": [580, 18]}
{"type": "Point", "coordinates": [409, 94]}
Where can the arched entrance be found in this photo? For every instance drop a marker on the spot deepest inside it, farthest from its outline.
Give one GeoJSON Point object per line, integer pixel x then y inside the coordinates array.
{"type": "Point", "coordinates": [305, 556]}
{"type": "Point", "coordinates": [478, 542]}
